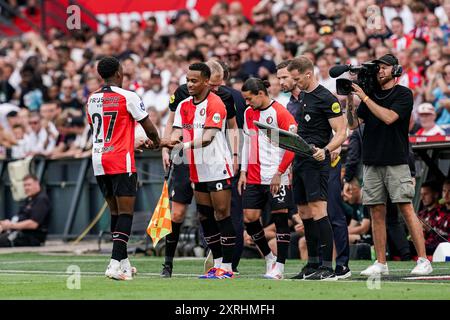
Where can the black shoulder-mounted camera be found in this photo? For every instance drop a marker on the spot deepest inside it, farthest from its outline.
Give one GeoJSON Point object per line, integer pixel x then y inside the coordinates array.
{"type": "Point", "coordinates": [366, 77]}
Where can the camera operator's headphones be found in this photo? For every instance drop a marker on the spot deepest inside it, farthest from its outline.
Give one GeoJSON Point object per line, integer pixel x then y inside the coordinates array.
{"type": "Point", "coordinates": [390, 59]}
{"type": "Point", "coordinates": [397, 71]}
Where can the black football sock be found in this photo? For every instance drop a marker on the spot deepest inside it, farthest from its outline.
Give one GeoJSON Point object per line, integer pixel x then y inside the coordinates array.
{"type": "Point", "coordinates": [114, 222]}
{"type": "Point", "coordinates": [283, 235]}
{"type": "Point", "coordinates": [227, 238]}
{"type": "Point", "coordinates": [171, 243]}
{"type": "Point", "coordinates": [312, 236]}
{"type": "Point", "coordinates": [211, 231]}
{"type": "Point", "coordinates": [326, 241]}
{"type": "Point", "coordinates": [121, 236]}
{"type": "Point", "coordinates": [256, 231]}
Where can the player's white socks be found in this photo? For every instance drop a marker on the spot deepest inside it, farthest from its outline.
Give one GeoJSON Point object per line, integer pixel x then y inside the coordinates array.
{"type": "Point", "coordinates": [270, 257]}
{"type": "Point", "coordinates": [226, 267]}
{"type": "Point", "coordinates": [280, 267]}
{"type": "Point", "coordinates": [217, 262]}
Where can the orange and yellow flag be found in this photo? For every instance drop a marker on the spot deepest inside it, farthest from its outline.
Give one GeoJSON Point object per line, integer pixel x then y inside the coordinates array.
{"type": "Point", "coordinates": [161, 224]}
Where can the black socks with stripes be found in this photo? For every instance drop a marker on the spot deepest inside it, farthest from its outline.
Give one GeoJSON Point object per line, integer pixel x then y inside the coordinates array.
{"type": "Point", "coordinates": [121, 235]}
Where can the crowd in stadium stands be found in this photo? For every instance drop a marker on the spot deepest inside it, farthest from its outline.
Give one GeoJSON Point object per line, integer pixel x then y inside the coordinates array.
{"type": "Point", "coordinates": [44, 83]}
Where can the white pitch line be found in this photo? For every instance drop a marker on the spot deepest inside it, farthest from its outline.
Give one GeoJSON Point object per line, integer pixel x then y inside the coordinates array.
{"type": "Point", "coordinates": [146, 260]}
{"type": "Point", "coordinates": [192, 277]}
{"type": "Point", "coordinates": [106, 259]}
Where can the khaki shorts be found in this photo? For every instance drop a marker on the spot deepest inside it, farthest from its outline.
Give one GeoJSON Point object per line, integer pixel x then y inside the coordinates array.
{"type": "Point", "coordinates": [383, 181]}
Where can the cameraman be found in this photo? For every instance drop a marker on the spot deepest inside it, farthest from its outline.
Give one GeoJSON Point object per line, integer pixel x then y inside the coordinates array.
{"type": "Point", "coordinates": [386, 114]}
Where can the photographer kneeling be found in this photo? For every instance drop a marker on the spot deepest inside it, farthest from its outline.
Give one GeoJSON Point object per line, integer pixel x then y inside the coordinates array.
{"type": "Point", "coordinates": [386, 112]}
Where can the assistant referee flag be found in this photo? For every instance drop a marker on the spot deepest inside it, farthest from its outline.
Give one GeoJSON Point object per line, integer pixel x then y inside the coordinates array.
{"type": "Point", "coordinates": [161, 224]}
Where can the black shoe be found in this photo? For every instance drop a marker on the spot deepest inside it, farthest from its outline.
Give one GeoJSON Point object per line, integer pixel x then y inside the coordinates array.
{"type": "Point", "coordinates": [323, 274]}
{"type": "Point", "coordinates": [342, 272]}
{"type": "Point", "coordinates": [166, 271]}
{"type": "Point", "coordinates": [235, 271]}
{"type": "Point", "coordinates": [306, 272]}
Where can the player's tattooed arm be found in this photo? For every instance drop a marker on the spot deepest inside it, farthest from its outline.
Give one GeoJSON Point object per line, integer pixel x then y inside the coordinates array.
{"type": "Point", "coordinates": [352, 117]}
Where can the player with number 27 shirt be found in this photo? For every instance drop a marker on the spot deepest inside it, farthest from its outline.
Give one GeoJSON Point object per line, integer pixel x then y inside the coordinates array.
{"type": "Point", "coordinates": [112, 113]}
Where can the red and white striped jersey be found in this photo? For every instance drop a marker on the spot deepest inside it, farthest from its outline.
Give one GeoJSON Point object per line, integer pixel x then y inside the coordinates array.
{"type": "Point", "coordinates": [260, 158]}
{"type": "Point", "coordinates": [213, 162]}
{"type": "Point", "coordinates": [113, 112]}
{"type": "Point", "coordinates": [403, 43]}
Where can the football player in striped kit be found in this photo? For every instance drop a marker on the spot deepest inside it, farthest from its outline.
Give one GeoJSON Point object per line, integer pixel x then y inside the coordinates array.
{"type": "Point", "coordinates": [264, 175]}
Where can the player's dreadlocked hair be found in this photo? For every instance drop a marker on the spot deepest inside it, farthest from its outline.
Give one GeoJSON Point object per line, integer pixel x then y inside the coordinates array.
{"type": "Point", "coordinates": [203, 68]}
{"type": "Point", "coordinates": [107, 67]}
{"type": "Point", "coordinates": [254, 85]}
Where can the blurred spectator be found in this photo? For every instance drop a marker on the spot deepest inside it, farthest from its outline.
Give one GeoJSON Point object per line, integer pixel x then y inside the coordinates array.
{"type": "Point", "coordinates": [399, 40]}
{"type": "Point", "coordinates": [438, 92]}
{"type": "Point", "coordinates": [31, 95]}
{"type": "Point", "coordinates": [324, 76]}
{"type": "Point", "coordinates": [427, 119]}
{"type": "Point", "coordinates": [275, 92]}
{"type": "Point", "coordinates": [20, 149]}
{"type": "Point", "coordinates": [155, 95]}
{"type": "Point", "coordinates": [30, 225]}
{"type": "Point", "coordinates": [39, 140]}
{"type": "Point", "coordinates": [258, 66]}
{"type": "Point", "coordinates": [74, 139]}
{"type": "Point", "coordinates": [420, 30]}
{"type": "Point", "coordinates": [311, 41]}
{"type": "Point", "coordinates": [68, 96]}
{"type": "Point", "coordinates": [398, 8]}
{"type": "Point", "coordinates": [435, 218]}
{"type": "Point", "coordinates": [6, 89]}
{"type": "Point", "coordinates": [155, 116]}
{"type": "Point", "coordinates": [351, 42]}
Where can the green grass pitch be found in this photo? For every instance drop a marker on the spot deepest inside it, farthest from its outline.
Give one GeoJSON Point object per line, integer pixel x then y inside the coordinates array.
{"type": "Point", "coordinates": [38, 276]}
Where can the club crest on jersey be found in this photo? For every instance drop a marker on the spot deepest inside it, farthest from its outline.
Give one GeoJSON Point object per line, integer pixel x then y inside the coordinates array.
{"type": "Point", "coordinates": [269, 120]}
{"type": "Point", "coordinates": [172, 98]}
{"type": "Point", "coordinates": [336, 107]}
{"type": "Point", "coordinates": [307, 118]}
{"type": "Point", "coordinates": [216, 118]}
{"type": "Point", "coordinates": [292, 128]}
{"type": "Point", "coordinates": [202, 112]}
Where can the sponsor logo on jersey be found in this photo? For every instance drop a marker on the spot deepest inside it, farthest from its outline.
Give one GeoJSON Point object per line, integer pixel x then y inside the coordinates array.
{"type": "Point", "coordinates": [216, 118]}
{"type": "Point", "coordinates": [104, 149]}
{"type": "Point", "coordinates": [336, 107]}
{"type": "Point", "coordinates": [307, 118]}
{"type": "Point", "coordinates": [142, 106]}
{"type": "Point", "coordinates": [269, 120]}
{"type": "Point", "coordinates": [172, 98]}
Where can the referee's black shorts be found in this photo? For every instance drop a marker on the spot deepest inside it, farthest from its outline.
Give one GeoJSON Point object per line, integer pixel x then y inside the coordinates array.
{"type": "Point", "coordinates": [118, 185]}
{"type": "Point", "coordinates": [310, 180]}
{"type": "Point", "coordinates": [180, 187]}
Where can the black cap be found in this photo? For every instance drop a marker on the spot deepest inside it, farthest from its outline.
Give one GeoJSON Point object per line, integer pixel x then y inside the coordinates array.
{"type": "Point", "coordinates": [388, 59]}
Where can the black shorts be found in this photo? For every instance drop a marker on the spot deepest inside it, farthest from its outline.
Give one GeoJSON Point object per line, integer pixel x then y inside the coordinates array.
{"type": "Point", "coordinates": [256, 196]}
{"type": "Point", "coordinates": [310, 180]}
{"type": "Point", "coordinates": [213, 186]}
{"type": "Point", "coordinates": [118, 185]}
{"type": "Point", "coordinates": [180, 186]}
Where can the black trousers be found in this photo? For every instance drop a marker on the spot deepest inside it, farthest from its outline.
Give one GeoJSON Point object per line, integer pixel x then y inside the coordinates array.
{"type": "Point", "coordinates": [336, 214]}
{"type": "Point", "coordinates": [22, 240]}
